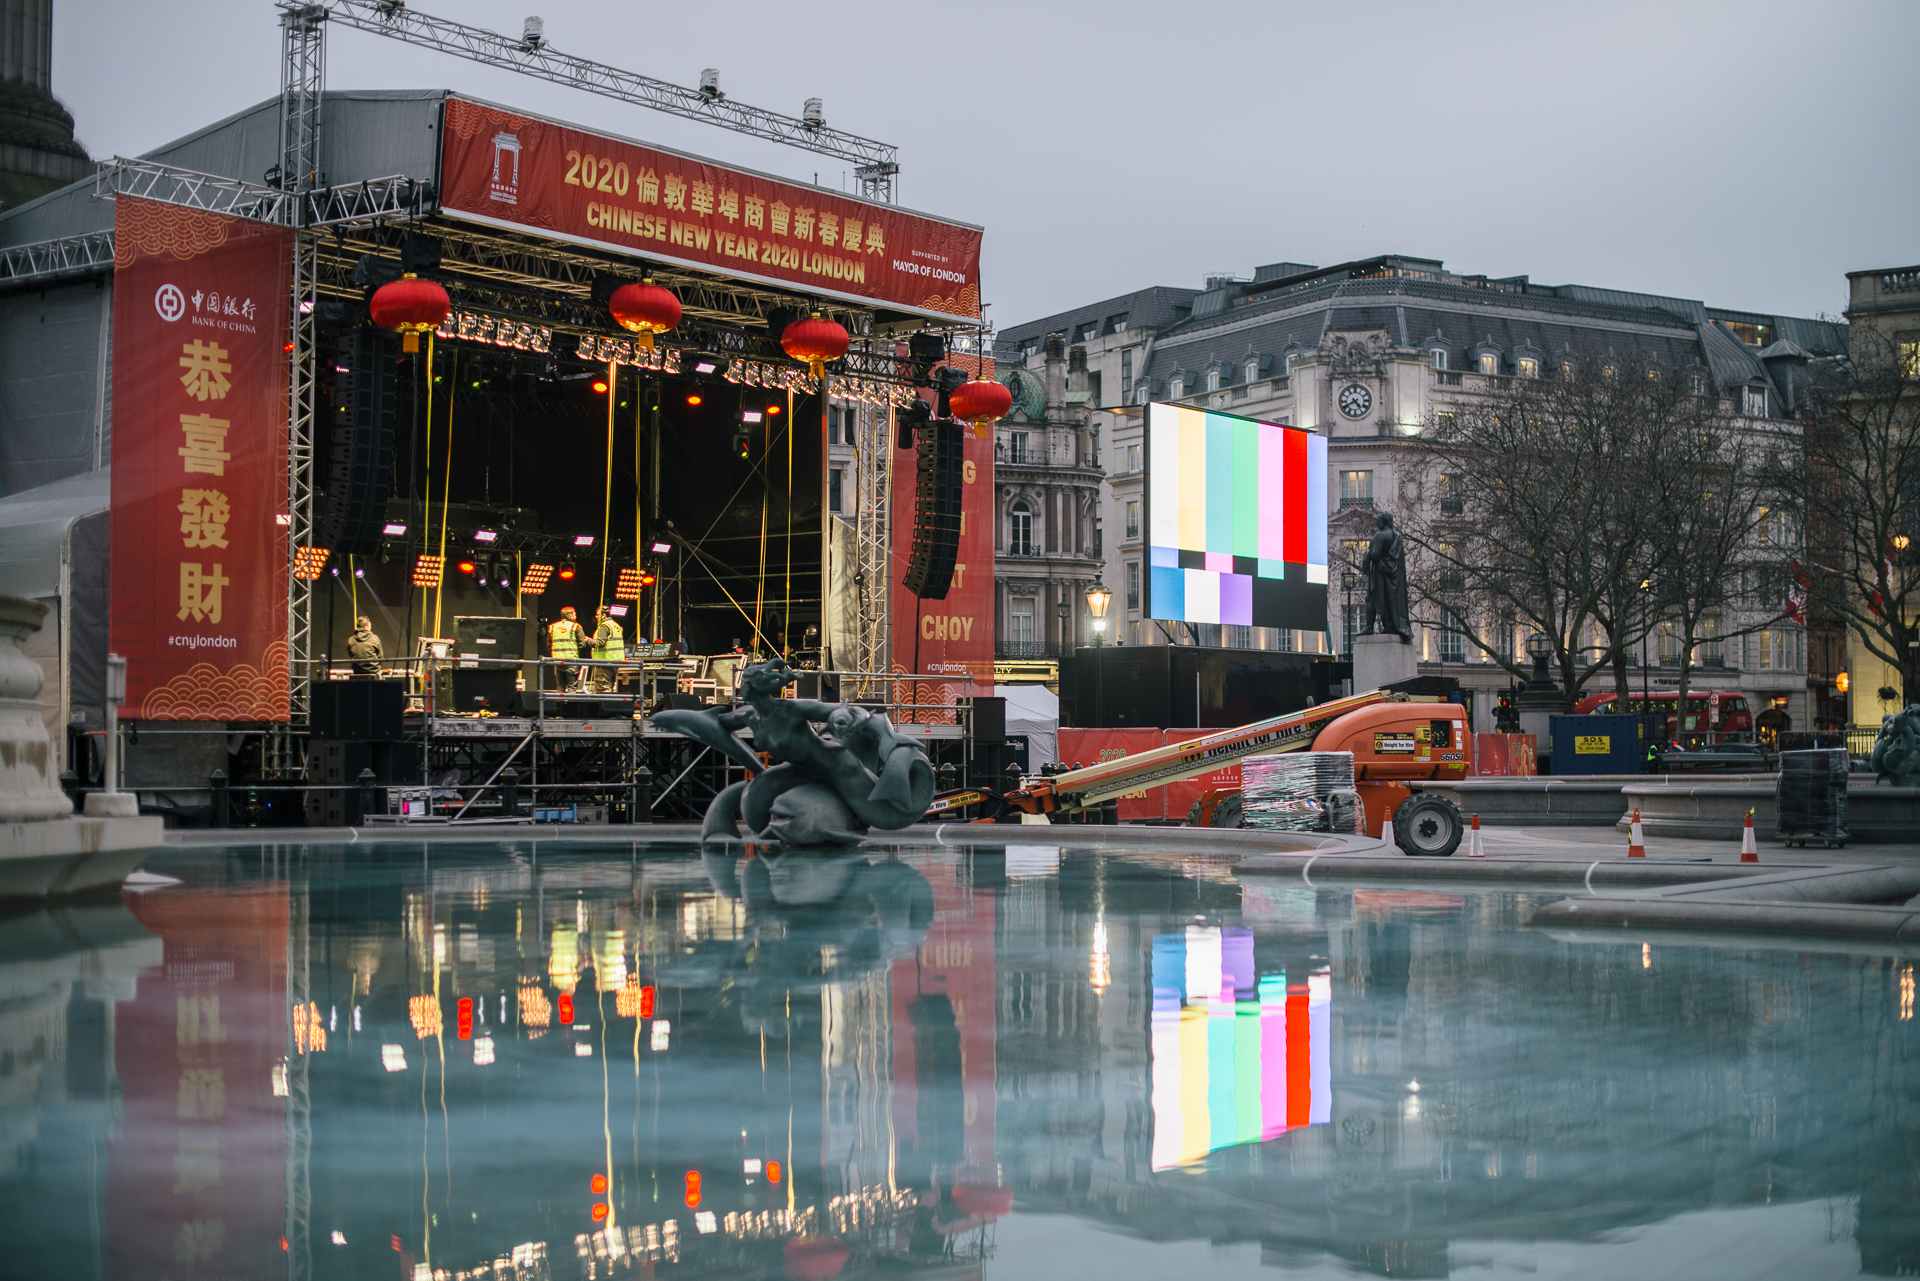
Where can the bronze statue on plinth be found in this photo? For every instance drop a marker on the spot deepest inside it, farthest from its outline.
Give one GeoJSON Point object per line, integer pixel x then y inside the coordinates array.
{"type": "Point", "coordinates": [1385, 566]}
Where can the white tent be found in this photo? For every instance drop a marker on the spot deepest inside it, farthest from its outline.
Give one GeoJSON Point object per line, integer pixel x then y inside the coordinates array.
{"type": "Point", "coordinates": [1033, 711]}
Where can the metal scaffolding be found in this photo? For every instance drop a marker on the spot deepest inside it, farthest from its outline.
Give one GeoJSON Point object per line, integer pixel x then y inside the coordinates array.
{"type": "Point", "coordinates": [873, 540]}
{"type": "Point", "coordinates": [877, 163]}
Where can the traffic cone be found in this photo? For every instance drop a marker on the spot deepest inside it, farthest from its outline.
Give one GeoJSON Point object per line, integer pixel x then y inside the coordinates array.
{"type": "Point", "coordinates": [1386, 833]}
{"type": "Point", "coordinates": [1474, 848]}
{"type": "Point", "coordinates": [1636, 843]}
{"type": "Point", "coordinates": [1749, 852]}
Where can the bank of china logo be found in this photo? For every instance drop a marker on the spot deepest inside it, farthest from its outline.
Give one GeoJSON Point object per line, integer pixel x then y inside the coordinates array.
{"type": "Point", "coordinates": [170, 302]}
{"type": "Point", "coordinates": [505, 189]}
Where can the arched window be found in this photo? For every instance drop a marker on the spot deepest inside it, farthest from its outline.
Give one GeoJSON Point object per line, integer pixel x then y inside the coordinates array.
{"type": "Point", "coordinates": [1020, 529]}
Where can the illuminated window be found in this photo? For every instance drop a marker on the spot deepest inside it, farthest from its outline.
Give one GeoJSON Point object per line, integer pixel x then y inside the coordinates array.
{"type": "Point", "coordinates": [1756, 402]}
{"type": "Point", "coordinates": [1133, 518]}
{"type": "Point", "coordinates": [1710, 652]}
{"type": "Point", "coordinates": [1213, 379]}
{"type": "Point", "coordinates": [1177, 386]}
{"type": "Point", "coordinates": [1446, 422]}
{"type": "Point", "coordinates": [1356, 488]}
{"type": "Point", "coordinates": [1528, 367]}
{"type": "Point", "coordinates": [1020, 530]}
{"type": "Point", "coordinates": [1020, 620]}
{"type": "Point", "coordinates": [1909, 357]}
{"type": "Point", "coordinates": [1238, 637]}
{"type": "Point", "coordinates": [1451, 503]}
{"type": "Point", "coordinates": [1133, 584]}
{"type": "Point", "coordinates": [1489, 362]}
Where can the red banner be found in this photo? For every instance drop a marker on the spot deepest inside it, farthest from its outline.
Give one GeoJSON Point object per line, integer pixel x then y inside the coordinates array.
{"type": "Point", "coordinates": [1082, 747]}
{"type": "Point", "coordinates": [951, 637]}
{"type": "Point", "coordinates": [199, 577]}
{"type": "Point", "coordinates": [522, 171]}
{"type": "Point", "coordinates": [1503, 755]}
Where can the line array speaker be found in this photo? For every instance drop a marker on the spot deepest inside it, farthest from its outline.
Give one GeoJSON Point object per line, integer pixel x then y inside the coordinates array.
{"type": "Point", "coordinates": [360, 442]}
{"type": "Point", "coordinates": [936, 510]}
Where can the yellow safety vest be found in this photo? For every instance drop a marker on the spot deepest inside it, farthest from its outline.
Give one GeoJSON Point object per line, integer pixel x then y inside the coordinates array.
{"type": "Point", "coordinates": [564, 636]}
{"type": "Point", "coordinates": [615, 648]}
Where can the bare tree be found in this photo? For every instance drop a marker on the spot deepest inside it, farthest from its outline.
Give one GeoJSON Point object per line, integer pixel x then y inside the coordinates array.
{"type": "Point", "coordinates": [1544, 515]}
{"type": "Point", "coordinates": [1851, 482]}
{"type": "Point", "coordinates": [1716, 532]}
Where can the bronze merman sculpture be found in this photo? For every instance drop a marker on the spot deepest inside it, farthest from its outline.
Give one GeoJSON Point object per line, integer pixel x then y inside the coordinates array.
{"type": "Point", "coordinates": [818, 790]}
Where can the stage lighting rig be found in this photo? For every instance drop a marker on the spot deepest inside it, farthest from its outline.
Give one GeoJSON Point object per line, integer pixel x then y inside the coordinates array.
{"type": "Point", "coordinates": [427, 570]}
{"type": "Point", "coordinates": [467, 566]}
{"type": "Point", "coordinates": [927, 350]}
{"type": "Point", "coordinates": [534, 582]}
{"type": "Point", "coordinates": [702, 364]}
{"type": "Point", "coordinates": [918, 413]}
{"type": "Point", "coordinates": [583, 540]}
{"type": "Point", "coordinates": [485, 535]}
{"type": "Point", "coordinates": [394, 529]}
{"type": "Point", "coordinates": [710, 84]}
{"type": "Point", "coordinates": [566, 570]}
{"type": "Point", "coordinates": [948, 380]}
{"type": "Point", "coordinates": [743, 441]}
{"type": "Point", "coordinates": [629, 585]}
{"type": "Point", "coordinates": [661, 547]}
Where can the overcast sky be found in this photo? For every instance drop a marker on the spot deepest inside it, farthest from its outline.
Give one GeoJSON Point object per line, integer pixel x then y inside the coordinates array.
{"type": "Point", "coordinates": [1745, 154]}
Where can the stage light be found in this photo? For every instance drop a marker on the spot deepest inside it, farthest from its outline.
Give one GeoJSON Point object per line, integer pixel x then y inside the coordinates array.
{"type": "Point", "coordinates": [693, 398]}
{"type": "Point", "coordinates": [583, 540]}
{"type": "Point", "coordinates": [484, 535]}
{"type": "Point", "coordinates": [393, 529]}
{"type": "Point", "coordinates": [661, 549]}
{"type": "Point", "coordinates": [427, 569]}
{"type": "Point", "coordinates": [597, 1184]}
{"type": "Point", "coordinates": [710, 83]}
{"type": "Point", "coordinates": [617, 611]}
{"type": "Point", "coordinates": [702, 364]}
{"type": "Point", "coordinates": [359, 572]}
{"type": "Point", "coordinates": [751, 416]}
{"type": "Point", "coordinates": [743, 443]}
{"type": "Point", "coordinates": [534, 583]}
{"type": "Point", "coordinates": [773, 411]}
{"type": "Point", "coordinates": [600, 386]}
{"type": "Point", "coordinates": [628, 586]}
{"type": "Point", "coordinates": [566, 570]}
{"type": "Point", "coordinates": [647, 579]}
{"type": "Point", "coordinates": [533, 33]}
{"type": "Point", "coordinates": [308, 561]}
{"type": "Point", "coordinates": [466, 567]}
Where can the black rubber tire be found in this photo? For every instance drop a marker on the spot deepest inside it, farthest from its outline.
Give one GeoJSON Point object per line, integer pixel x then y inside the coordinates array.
{"type": "Point", "coordinates": [1428, 825]}
{"type": "Point", "coordinates": [1230, 812]}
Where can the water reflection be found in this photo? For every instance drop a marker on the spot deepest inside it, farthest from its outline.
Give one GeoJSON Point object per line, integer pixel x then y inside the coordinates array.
{"type": "Point", "coordinates": [510, 1061]}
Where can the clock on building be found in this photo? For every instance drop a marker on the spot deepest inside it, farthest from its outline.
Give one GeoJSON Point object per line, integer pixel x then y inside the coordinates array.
{"type": "Point", "coordinates": [1355, 400]}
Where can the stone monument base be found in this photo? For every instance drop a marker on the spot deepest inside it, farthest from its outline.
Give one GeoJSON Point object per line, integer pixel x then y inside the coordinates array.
{"type": "Point", "coordinates": [73, 855]}
{"type": "Point", "coordinates": [1380, 660]}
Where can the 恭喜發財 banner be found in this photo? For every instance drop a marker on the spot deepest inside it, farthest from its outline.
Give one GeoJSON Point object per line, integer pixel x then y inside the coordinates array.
{"type": "Point", "coordinates": [199, 557]}
{"type": "Point", "coordinates": [530, 173]}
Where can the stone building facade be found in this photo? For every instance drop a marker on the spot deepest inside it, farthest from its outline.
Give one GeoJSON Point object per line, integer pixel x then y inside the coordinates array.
{"type": "Point", "coordinates": [1368, 353]}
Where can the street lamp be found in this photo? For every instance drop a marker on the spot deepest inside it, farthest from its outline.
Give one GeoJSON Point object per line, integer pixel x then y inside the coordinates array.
{"type": "Point", "coordinates": [1098, 598]}
{"type": "Point", "coordinates": [1540, 649]}
{"type": "Point", "coordinates": [1063, 608]}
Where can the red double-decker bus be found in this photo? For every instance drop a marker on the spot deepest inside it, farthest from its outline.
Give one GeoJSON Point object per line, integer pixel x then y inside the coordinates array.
{"type": "Point", "coordinates": [1719, 712]}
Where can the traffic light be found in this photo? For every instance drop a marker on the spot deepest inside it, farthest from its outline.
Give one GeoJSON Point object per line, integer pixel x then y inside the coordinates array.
{"type": "Point", "coordinates": [693, 1190]}
{"type": "Point", "coordinates": [566, 1008]}
{"type": "Point", "coordinates": [773, 1172]}
{"type": "Point", "coordinates": [463, 1020]}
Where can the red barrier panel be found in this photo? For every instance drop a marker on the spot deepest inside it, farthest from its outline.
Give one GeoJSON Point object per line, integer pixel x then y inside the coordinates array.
{"type": "Point", "coordinates": [1091, 746]}
{"type": "Point", "coordinates": [1503, 756]}
{"type": "Point", "coordinates": [1182, 793]}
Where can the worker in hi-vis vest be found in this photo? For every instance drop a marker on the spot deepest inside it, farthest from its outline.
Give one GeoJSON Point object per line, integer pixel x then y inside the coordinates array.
{"type": "Point", "coordinates": [609, 646]}
{"type": "Point", "coordinates": [564, 639]}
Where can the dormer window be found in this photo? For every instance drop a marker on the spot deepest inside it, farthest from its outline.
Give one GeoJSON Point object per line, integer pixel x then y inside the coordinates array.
{"type": "Point", "coordinates": [1755, 405]}
{"type": "Point", "coordinates": [1489, 362]}
{"type": "Point", "coordinates": [1696, 384]}
{"type": "Point", "coordinates": [1177, 385]}
{"type": "Point", "coordinates": [1213, 379]}
{"type": "Point", "coordinates": [1438, 358]}
{"type": "Point", "coordinates": [1527, 367]}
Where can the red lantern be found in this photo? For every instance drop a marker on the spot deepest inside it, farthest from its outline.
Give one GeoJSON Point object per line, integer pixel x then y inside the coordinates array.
{"type": "Point", "coordinates": [981, 402]}
{"type": "Point", "coordinates": [411, 306]}
{"type": "Point", "coordinates": [646, 309]}
{"type": "Point", "coordinates": [815, 340]}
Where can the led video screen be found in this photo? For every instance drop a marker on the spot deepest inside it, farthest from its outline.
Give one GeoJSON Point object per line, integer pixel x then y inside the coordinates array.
{"type": "Point", "coordinates": [1236, 521]}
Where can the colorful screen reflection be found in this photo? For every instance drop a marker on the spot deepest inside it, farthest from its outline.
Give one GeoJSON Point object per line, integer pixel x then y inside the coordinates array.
{"type": "Point", "coordinates": [1238, 1057]}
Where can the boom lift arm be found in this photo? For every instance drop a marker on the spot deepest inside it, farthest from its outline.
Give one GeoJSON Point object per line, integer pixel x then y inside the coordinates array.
{"type": "Point", "coordinates": [1084, 788]}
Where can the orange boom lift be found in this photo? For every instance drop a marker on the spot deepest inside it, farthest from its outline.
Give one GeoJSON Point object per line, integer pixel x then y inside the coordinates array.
{"type": "Point", "coordinates": [1400, 737]}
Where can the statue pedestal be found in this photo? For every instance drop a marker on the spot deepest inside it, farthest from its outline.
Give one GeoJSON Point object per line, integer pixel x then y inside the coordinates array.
{"type": "Point", "coordinates": [1381, 660]}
